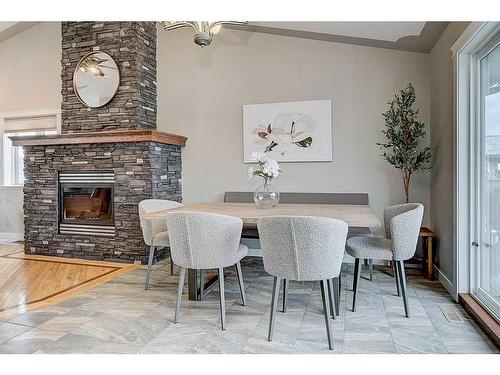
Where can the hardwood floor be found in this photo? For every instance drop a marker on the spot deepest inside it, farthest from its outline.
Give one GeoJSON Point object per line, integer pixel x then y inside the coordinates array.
{"type": "Point", "coordinates": [29, 281]}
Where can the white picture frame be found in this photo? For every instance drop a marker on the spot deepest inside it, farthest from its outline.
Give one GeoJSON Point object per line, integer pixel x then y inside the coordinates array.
{"type": "Point", "coordinates": [300, 131]}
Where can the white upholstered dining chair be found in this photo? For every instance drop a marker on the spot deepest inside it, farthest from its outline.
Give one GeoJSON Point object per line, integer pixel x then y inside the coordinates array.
{"type": "Point", "coordinates": [250, 237]}
{"type": "Point", "coordinates": [155, 232]}
{"type": "Point", "coordinates": [303, 248]}
{"type": "Point", "coordinates": [206, 241]}
{"type": "Point", "coordinates": [402, 226]}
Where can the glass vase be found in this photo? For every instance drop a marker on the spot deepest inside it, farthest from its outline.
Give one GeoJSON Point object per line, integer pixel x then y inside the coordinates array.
{"type": "Point", "coordinates": [265, 196]}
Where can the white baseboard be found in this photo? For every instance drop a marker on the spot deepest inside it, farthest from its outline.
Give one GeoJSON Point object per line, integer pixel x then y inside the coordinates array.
{"type": "Point", "coordinates": [446, 283]}
{"type": "Point", "coordinates": [6, 236]}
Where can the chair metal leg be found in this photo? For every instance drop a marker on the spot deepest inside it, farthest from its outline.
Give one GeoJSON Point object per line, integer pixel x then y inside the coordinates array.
{"type": "Point", "coordinates": [331, 294]}
{"type": "Point", "coordinates": [171, 265]}
{"type": "Point", "coordinates": [180, 288]}
{"type": "Point", "coordinates": [274, 305]}
{"type": "Point", "coordinates": [202, 284]}
{"type": "Point", "coordinates": [396, 277]}
{"type": "Point", "coordinates": [402, 283]}
{"type": "Point", "coordinates": [336, 291]}
{"type": "Point", "coordinates": [370, 267]}
{"type": "Point", "coordinates": [150, 265]}
{"type": "Point", "coordinates": [326, 309]}
{"type": "Point", "coordinates": [285, 295]}
{"type": "Point", "coordinates": [222, 301]}
{"type": "Point", "coordinates": [357, 275]}
{"type": "Point", "coordinates": [240, 282]}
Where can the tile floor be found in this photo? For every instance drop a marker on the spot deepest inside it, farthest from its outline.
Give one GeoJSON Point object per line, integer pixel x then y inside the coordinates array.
{"type": "Point", "coordinates": [120, 317]}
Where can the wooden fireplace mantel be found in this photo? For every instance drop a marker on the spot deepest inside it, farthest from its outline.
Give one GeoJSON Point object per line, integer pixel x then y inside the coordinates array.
{"type": "Point", "coordinates": [123, 136]}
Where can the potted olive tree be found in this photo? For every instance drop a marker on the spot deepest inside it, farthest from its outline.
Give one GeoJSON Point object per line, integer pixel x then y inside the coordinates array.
{"type": "Point", "coordinates": [404, 133]}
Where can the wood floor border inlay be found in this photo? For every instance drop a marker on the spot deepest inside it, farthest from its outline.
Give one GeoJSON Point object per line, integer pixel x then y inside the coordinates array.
{"type": "Point", "coordinates": [42, 258]}
{"type": "Point", "coordinates": [28, 282]}
{"type": "Point", "coordinates": [60, 292]}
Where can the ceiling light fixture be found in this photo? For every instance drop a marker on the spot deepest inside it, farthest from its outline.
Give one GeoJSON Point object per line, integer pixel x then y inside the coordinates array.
{"type": "Point", "coordinates": [204, 31]}
{"type": "Point", "coordinates": [94, 65]}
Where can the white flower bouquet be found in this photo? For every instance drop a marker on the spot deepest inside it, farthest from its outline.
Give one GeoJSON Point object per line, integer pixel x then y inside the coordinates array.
{"type": "Point", "coordinates": [268, 169]}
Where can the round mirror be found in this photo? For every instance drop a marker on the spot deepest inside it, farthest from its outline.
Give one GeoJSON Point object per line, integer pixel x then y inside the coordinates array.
{"type": "Point", "coordinates": [96, 79]}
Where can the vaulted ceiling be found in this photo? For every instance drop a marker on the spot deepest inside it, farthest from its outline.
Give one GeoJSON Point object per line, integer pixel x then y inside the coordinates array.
{"type": "Point", "coordinates": [408, 36]}
{"type": "Point", "coordinates": [387, 31]}
{"type": "Point", "coordinates": [9, 29]}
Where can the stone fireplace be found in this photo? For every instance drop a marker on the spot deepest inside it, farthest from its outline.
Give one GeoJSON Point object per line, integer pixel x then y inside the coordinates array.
{"type": "Point", "coordinates": [83, 186]}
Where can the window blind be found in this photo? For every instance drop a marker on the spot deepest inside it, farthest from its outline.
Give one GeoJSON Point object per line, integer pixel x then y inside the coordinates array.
{"type": "Point", "coordinates": [37, 123]}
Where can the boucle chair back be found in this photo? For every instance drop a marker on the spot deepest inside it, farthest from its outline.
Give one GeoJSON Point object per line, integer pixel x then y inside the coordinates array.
{"type": "Point", "coordinates": [402, 225]}
{"type": "Point", "coordinates": [302, 248]}
{"type": "Point", "coordinates": [152, 227]}
{"type": "Point", "coordinates": [200, 240]}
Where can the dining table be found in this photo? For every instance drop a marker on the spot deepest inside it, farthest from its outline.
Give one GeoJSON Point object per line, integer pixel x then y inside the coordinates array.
{"type": "Point", "coordinates": [354, 215]}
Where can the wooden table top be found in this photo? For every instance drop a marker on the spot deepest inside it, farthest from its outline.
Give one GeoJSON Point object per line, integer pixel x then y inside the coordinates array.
{"type": "Point", "coordinates": [353, 215]}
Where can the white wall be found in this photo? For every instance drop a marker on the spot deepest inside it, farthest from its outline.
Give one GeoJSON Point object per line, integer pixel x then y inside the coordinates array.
{"type": "Point", "coordinates": [30, 69]}
{"type": "Point", "coordinates": [201, 91]}
{"type": "Point", "coordinates": [441, 110]}
{"type": "Point", "coordinates": [11, 213]}
{"type": "Point", "coordinates": [30, 80]}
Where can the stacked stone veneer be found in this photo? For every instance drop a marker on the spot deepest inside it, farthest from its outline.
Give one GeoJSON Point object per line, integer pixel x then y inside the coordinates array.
{"type": "Point", "coordinates": [142, 170]}
{"type": "Point", "coordinates": [133, 47]}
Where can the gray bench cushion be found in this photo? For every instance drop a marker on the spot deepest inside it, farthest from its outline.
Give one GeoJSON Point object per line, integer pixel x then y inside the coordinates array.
{"type": "Point", "coordinates": [311, 198]}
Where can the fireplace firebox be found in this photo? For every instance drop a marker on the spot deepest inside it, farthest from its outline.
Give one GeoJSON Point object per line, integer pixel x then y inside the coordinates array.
{"type": "Point", "coordinates": [86, 203]}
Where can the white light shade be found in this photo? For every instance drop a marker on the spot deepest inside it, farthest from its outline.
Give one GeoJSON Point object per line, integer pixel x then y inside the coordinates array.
{"type": "Point", "coordinates": [216, 29]}
{"type": "Point", "coordinates": [204, 30]}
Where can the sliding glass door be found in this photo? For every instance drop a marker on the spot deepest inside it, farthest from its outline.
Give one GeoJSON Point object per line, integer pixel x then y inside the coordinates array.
{"type": "Point", "coordinates": [486, 258]}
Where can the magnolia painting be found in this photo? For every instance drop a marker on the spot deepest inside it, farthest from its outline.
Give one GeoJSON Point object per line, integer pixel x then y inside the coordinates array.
{"type": "Point", "coordinates": [290, 131]}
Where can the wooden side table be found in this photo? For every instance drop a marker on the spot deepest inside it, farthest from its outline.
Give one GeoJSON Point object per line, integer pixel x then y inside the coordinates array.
{"type": "Point", "coordinates": [427, 238]}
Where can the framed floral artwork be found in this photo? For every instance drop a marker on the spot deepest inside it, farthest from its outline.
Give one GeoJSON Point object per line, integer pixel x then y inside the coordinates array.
{"type": "Point", "coordinates": [289, 131]}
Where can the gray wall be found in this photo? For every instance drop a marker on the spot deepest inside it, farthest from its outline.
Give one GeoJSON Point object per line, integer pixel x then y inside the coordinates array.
{"type": "Point", "coordinates": [441, 105]}
{"type": "Point", "coordinates": [201, 93]}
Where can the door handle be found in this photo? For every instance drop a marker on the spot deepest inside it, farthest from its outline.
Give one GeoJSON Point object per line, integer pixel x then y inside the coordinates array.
{"type": "Point", "coordinates": [475, 244]}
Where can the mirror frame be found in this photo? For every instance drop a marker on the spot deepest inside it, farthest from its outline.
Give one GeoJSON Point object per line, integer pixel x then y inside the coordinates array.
{"type": "Point", "coordinates": [76, 71]}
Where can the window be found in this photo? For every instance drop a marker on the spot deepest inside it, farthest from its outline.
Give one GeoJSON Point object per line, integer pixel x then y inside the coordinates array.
{"type": "Point", "coordinates": [486, 265]}
{"type": "Point", "coordinates": [13, 157]}
{"type": "Point", "coordinates": [42, 122]}
{"type": "Point", "coordinates": [476, 193]}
